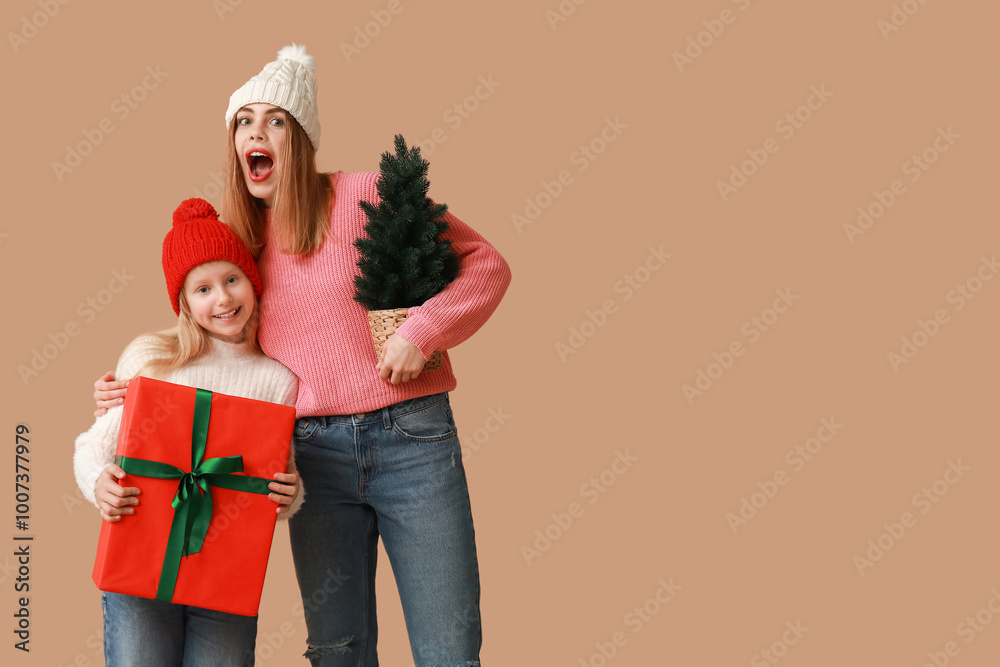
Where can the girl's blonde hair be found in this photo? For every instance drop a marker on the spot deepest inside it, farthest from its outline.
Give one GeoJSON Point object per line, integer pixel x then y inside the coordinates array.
{"type": "Point", "coordinates": [181, 345]}
{"type": "Point", "coordinates": [301, 208]}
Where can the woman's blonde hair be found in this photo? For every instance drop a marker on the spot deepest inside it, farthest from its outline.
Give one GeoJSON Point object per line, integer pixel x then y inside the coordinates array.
{"type": "Point", "coordinates": [181, 345]}
{"type": "Point", "coordinates": [300, 212]}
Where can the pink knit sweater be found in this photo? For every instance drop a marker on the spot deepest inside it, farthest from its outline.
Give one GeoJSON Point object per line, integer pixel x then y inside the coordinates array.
{"type": "Point", "coordinates": [310, 322]}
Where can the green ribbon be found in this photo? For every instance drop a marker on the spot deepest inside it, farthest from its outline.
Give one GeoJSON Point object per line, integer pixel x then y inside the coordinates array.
{"type": "Point", "coordinates": [192, 502]}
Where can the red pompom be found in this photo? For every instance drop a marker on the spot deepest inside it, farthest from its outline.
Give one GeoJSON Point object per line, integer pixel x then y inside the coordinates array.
{"type": "Point", "coordinates": [194, 209]}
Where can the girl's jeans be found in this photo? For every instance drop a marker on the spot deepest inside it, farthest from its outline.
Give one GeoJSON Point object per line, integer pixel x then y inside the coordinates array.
{"type": "Point", "coordinates": [395, 473]}
{"type": "Point", "coordinates": [139, 632]}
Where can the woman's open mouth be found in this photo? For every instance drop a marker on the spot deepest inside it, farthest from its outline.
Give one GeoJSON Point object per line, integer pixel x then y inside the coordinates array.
{"type": "Point", "coordinates": [259, 163]}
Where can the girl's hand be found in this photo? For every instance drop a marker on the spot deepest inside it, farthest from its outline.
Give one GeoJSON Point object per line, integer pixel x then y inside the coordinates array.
{"type": "Point", "coordinates": [401, 360]}
{"type": "Point", "coordinates": [114, 500]}
{"type": "Point", "coordinates": [285, 488]}
{"type": "Point", "coordinates": [108, 393]}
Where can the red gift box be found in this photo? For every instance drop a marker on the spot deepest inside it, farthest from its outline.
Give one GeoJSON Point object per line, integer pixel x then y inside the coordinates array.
{"type": "Point", "coordinates": [219, 562]}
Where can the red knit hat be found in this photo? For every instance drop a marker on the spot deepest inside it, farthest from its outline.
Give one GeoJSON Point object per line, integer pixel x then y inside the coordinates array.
{"type": "Point", "coordinates": [198, 237]}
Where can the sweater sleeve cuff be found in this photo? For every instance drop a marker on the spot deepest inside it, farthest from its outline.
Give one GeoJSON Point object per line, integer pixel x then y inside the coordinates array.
{"type": "Point", "coordinates": [418, 330]}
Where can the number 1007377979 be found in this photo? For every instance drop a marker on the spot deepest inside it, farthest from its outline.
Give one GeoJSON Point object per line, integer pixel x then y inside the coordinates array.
{"type": "Point", "coordinates": [22, 492]}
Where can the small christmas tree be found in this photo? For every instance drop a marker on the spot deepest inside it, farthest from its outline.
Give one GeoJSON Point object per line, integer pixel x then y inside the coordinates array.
{"type": "Point", "coordinates": [404, 261]}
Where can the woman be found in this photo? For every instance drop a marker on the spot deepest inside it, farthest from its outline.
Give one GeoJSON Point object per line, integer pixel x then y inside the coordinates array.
{"type": "Point", "coordinates": [375, 439]}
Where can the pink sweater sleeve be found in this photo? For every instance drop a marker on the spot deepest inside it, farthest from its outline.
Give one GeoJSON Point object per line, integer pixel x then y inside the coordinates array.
{"type": "Point", "coordinates": [458, 311]}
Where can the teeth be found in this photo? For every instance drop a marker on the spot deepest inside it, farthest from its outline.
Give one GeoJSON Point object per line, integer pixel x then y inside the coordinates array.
{"type": "Point", "coordinates": [226, 316]}
{"type": "Point", "coordinates": [257, 154]}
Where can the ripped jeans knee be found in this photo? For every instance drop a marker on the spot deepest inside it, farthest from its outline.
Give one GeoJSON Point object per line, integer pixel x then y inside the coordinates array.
{"type": "Point", "coordinates": [318, 649]}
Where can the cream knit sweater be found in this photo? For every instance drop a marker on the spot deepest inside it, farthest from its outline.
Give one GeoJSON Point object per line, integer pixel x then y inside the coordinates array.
{"type": "Point", "coordinates": [228, 368]}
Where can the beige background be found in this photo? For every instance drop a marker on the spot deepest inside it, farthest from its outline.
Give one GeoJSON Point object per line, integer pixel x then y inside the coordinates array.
{"type": "Point", "coordinates": [664, 518]}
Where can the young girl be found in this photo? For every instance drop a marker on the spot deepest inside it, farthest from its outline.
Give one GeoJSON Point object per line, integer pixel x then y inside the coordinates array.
{"type": "Point", "coordinates": [375, 438]}
{"type": "Point", "coordinates": [213, 286]}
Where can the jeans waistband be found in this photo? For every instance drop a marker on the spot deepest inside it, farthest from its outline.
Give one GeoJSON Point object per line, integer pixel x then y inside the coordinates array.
{"type": "Point", "coordinates": [384, 415]}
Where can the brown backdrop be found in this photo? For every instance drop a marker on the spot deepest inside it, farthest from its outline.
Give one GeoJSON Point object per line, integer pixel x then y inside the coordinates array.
{"type": "Point", "coordinates": [740, 397]}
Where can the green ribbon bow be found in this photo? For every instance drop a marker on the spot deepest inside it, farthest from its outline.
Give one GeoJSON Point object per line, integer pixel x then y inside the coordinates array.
{"type": "Point", "coordinates": [193, 501]}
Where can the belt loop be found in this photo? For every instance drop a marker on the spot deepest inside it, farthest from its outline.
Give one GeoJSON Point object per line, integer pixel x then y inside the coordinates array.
{"type": "Point", "coordinates": [386, 419]}
{"type": "Point", "coordinates": [322, 421]}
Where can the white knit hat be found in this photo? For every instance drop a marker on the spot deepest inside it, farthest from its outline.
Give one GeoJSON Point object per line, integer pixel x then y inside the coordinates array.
{"type": "Point", "coordinates": [289, 83]}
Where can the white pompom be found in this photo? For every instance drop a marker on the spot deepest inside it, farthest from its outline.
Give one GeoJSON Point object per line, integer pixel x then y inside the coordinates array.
{"type": "Point", "coordinates": [297, 52]}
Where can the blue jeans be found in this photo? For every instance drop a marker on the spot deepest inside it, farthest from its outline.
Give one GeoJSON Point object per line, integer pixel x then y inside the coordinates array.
{"type": "Point", "coordinates": [395, 473]}
{"type": "Point", "coordinates": [139, 632]}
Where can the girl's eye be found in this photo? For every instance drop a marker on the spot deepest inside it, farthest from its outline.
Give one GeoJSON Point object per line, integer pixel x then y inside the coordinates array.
{"type": "Point", "coordinates": [202, 290]}
{"type": "Point", "coordinates": [232, 279]}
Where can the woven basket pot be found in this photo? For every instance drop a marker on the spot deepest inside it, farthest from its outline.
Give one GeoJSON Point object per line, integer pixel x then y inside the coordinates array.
{"type": "Point", "coordinates": [384, 323]}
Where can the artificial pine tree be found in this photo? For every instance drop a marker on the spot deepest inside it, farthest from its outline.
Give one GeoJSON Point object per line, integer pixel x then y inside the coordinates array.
{"type": "Point", "coordinates": [404, 261]}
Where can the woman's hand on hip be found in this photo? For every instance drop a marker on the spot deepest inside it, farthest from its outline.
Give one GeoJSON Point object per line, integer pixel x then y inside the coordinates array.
{"type": "Point", "coordinates": [401, 360]}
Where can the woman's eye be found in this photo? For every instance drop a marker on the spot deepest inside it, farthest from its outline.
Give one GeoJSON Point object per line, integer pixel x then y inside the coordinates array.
{"type": "Point", "coordinates": [243, 121]}
{"type": "Point", "coordinates": [278, 122]}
